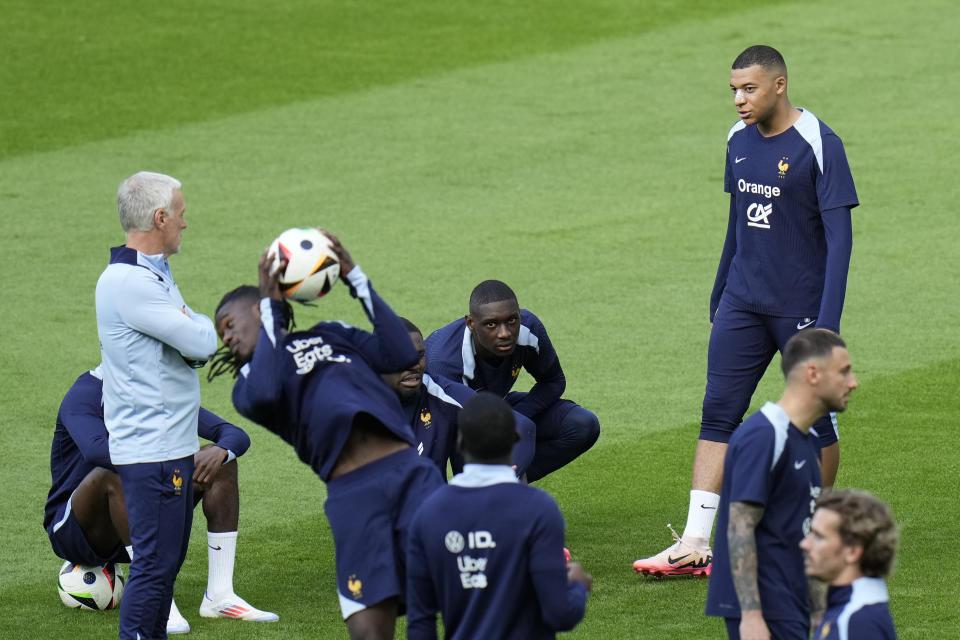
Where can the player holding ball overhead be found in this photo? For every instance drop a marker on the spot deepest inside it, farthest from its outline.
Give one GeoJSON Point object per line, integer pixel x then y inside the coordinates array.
{"type": "Point", "coordinates": [320, 390]}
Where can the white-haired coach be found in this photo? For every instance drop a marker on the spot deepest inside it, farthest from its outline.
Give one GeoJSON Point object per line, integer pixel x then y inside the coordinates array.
{"type": "Point", "coordinates": [151, 343]}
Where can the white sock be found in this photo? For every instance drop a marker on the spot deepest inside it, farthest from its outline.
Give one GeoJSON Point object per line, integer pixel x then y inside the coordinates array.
{"type": "Point", "coordinates": [700, 516]}
{"type": "Point", "coordinates": [174, 612]}
{"type": "Point", "coordinates": [221, 552]}
{"type": "Point", "coordinates": [129, 549]}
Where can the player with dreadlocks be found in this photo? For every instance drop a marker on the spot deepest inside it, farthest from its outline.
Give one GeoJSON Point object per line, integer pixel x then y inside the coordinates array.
{"type": "Point", "coordinates": [320, 390]}
{"type": "Point", "coordinates": [224, 360]}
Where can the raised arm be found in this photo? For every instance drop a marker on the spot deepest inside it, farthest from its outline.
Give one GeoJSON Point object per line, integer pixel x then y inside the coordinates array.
{"type": "Point", "coordinates": [257, 393]}
{"type": "Point", "coordinates": [389, 347]}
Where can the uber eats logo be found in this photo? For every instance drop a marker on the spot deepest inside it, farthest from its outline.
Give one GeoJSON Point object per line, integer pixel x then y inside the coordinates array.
{"type": "Point", "coordinates": [472, 570]}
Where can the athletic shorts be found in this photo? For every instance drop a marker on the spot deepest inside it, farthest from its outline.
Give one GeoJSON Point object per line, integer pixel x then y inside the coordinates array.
{"type": "Point", "coordinates": [742, 345]}
{"type": "Point", "coordinates": [69, 543]}
{"type": "Point", "coordinates": [369, 510]}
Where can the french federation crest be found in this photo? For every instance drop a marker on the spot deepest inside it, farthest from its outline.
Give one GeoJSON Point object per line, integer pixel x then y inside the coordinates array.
{"type": "Point", "coordinates": [355, 586]}
{"type": "Point", "coordinates": [783, 165]}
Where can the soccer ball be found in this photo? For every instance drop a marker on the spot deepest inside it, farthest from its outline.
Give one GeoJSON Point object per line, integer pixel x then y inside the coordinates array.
{"type": "Point", "coordinates": [95, 587]}
{"type": "Point", "coordinates": [312, 266]}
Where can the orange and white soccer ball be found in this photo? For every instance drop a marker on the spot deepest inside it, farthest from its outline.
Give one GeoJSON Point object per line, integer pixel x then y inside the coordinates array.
{"type": "Point", "coordinates": [312, 266]}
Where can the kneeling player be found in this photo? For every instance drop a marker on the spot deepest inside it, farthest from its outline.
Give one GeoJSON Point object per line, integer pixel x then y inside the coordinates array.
{"type": "Point", "coordinates": [86, 516]}
{"type": "Point", "coordinates": [487, 551]}
{"type": "Point", "coordinates": [431, 407]}
{"type": "Point", "coordinates": [486, 350]}
{"type": "Point", "coordinates": [320, 390]}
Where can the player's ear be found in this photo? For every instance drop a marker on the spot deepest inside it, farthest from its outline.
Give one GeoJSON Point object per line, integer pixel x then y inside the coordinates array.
{"type": "Point", "coordinates": [781, 85]}
{"type": "Point", "coordinates": [159, 218]}
{"type": "Point", "coordinates": [469, 322]}
{"type": "Point", "coordinates": [852, 554]}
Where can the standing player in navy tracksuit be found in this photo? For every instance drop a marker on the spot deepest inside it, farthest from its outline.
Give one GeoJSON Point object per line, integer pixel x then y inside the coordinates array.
{"type": "Point", "coordinates": [851, 546]}
{"type": "Point", "coordinates": [86, 516]}
{"type": "Point", "coordinates": [431, 406]}
{"type": "Point", "coordinates": [487, 551]}
{"type": "Point", "coordinates": [758, 584]}
{"type": "Point", "coordinates": [486, 350]}
{"type": "Point", "coordinates": [320, 390]}
{"type": "Point", "coordinates": [783, 269]}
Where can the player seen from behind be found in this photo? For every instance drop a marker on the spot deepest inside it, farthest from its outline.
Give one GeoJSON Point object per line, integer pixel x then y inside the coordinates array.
{"type": "Point", "coordinates": [486, 551]}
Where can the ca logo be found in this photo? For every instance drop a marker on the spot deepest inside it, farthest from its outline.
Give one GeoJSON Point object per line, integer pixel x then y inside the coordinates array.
{"type": "Point", "coordinates": [757, 215]}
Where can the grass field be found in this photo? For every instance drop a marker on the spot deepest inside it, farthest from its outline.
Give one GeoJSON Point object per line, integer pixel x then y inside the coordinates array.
{"type": "Point", "coordinates": [574, 150]}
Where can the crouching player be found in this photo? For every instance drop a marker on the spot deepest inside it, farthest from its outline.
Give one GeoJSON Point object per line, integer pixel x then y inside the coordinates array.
{"type": "Point", "coordinates": [431, 407]}
{"type": "Point", "coordinates": [487, 551]}
{"type": "Point", "coordinates": [486, 350]}
{"type": "Point", "coordinates": [320, 390]}
{"type": "Point", "coordinates": [86, 516]}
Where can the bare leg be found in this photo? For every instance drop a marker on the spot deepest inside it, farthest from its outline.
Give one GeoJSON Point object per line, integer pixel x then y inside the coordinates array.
{"type": "Point", "coordinates": [221, 500]}
{"type": "Point", "coordinates": [374, 623]}
{"type": "Point", "coordinates": [100, 510]}
{"type": "Point", "coordinates": [708, 465]}
{"type": "Point", "coordinates": [829, 464]}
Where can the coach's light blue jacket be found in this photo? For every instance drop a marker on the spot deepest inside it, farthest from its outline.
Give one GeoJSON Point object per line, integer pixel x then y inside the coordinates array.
{"type": "Point", "coordinates": [151, 394]}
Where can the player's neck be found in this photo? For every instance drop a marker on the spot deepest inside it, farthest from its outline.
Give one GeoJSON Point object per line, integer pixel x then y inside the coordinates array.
{"type": "Point", "coordinates": [847, 576]}
{"type": "Point", "coordinates": [785, 116]}
{"type": "Point", "coordinates": [802, 410]}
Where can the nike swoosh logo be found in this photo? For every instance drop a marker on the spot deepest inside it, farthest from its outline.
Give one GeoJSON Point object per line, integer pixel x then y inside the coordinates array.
{"type": "Point", "coordinates": [799, 464]}
{"type": "Point", "coordinates": [739, 160]}
{"type": "Point", "coordinates": [216, 548]}
{"type": "Point", "coordinates": [703, 506]}
{"type": "Point", "coordinates": [804, 325]}
{"type": "Point", "coordinates": [677, 559]}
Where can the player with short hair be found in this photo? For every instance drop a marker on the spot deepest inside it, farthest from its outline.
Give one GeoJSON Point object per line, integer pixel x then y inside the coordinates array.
{"type": "Point", "coordinates": [487, 551]}
{"type": "Point", "coordinates": [431, 406]}
{"type": "Point", "coordinates": [783, 268]}
{"type": "Point", "coordinates": [772, 479]}
{"type": "Point", "coordinates": [486, 350]}
{"type": "Point", "coordinates": [86, 517]}
{"type": "Point", "coordinates": [851, 546]}
{"type": "Point", "coordinates": [320, 390]}
{"type": "Point", "coordinates": [151, 343]}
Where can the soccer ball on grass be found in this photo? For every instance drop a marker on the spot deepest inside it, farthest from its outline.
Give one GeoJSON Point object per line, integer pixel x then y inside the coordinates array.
{"type": "Point", "coordinates": [95, 587]}
{"type": "Point", "coordinates": [312, 266]}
